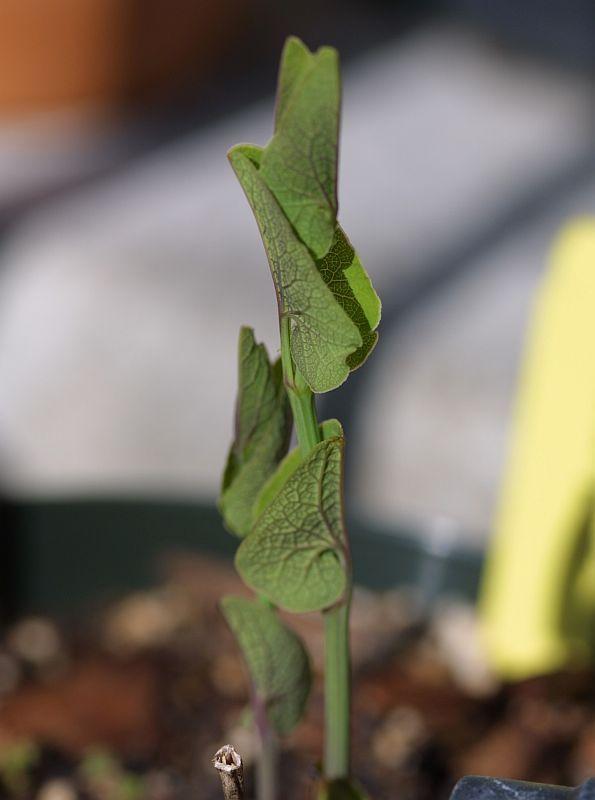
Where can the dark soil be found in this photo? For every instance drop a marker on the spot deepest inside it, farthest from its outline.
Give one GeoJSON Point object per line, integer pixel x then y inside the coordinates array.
{"type": "Point", "coordinates": [132, 703]}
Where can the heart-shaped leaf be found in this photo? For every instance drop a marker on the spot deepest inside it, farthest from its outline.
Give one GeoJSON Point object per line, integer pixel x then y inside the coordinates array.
{"type": "Point", "coordinates": [263, 427]}
{"type": "Point", "coordinates": [276, 659]}
{"type": "Point", "coordinates": [322, 336]}
{"type": "Point", "coordinates": [295, 553]}
{"type": "Point", "coordinates": [328, 429]}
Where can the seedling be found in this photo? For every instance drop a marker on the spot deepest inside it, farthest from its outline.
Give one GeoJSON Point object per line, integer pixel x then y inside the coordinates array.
{"type": "Point", "coordinates": [288, 507]}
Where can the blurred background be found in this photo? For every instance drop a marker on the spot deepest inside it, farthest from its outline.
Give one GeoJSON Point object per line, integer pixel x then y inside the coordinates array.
{"type": "Point", "coordinates": [129, 259]}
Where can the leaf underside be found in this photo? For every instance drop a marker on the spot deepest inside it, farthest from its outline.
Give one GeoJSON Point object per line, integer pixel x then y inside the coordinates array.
{"type": "Point", "coordinates": [300, 162]}
{"type": "Point", "coordinates": [322, 335]}
{"type": "Point", "coordinates": [291, 187]}
{"type": "Point", "coordinates": [295, 553]}
{"type": "Point", "coordinates": [296, 60]}
{"type": "Point", "coordinates": [276, 659]}
{"type": "Point", "coordinates": [263, 427]}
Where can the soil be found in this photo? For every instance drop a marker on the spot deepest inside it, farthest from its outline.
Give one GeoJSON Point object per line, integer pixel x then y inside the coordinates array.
{"type": "Point", "coordinates": [132, 702]}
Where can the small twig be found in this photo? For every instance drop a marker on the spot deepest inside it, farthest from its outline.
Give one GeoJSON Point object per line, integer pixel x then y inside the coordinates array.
{"type": "Point", "coordinates": [231, 771]}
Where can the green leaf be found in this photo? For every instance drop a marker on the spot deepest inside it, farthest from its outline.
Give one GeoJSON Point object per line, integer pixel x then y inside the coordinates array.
{"type": "Point", "coordinates": [252, 152]}
{"type": "Point", "coordinates": [341, 790]}
{"type": "Point", "coordinates": [263, 427]}
{"type": "Point", "coordinates": [344, 274]}
{"type": "Point", "coordinates": [295, 553]}
{"type": "Point", "coordinates": [296, 60]}
{"type": "Point", "coordinates": [277, 480]}
{"type": "Point", "coordinates": [299, 164]}
{"type": "Point", "coordinates": [322, 336]}
{"type": "Point", "coordinates": [276, 659]}
{"type": "Point", "coordinates": [329, 428]}
{"type": "Point", "coordinates": [291, 186]}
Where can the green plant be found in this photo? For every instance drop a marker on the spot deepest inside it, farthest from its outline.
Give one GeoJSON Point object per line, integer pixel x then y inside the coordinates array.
{"type": "Point", "coordinates": [288, 508]}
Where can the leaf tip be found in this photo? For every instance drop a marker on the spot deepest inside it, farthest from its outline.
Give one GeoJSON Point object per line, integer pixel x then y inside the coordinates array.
{"type": "Point", "coordinates": [293, 42]}
{"type": "Point", "coordinates": [243, 150]}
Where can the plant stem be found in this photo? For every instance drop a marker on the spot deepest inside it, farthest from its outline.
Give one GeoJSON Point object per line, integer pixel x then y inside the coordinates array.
{"type": "Point", "coordinates": [304, 416]}
{"type": "Point", "coordinates": [337, 677]}
{"type": "Point", "coordinates": [337, 692]}
{"type": "Point", "coordinates": [301, 397]}
{"type": "Point", "coordinates": [267, 765]}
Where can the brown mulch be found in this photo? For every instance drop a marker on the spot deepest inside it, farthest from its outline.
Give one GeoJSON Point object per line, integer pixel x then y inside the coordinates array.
{"type": "Point", "coordinates": [134, 703]}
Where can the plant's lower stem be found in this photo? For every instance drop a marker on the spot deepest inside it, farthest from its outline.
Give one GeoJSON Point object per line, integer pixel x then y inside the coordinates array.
{"type": "Point", "coordinates": [337, 677]}
{"type": "Point", "coordinates": [337, 692]}
{"type": "Point", "coordinates": [267, 766]}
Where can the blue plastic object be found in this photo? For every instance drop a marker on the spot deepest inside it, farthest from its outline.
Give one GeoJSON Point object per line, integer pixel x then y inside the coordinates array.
{"type": "Point", "coordinates": [474, 787]}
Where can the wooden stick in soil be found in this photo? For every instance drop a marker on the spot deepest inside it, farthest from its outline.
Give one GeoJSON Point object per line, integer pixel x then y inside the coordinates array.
{"type": "Point", "coordinates": [231, 771]}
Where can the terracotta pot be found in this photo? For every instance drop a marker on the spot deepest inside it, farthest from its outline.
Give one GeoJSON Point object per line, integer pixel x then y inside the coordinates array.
{"type": "Point", "coordinates": [107, 53]}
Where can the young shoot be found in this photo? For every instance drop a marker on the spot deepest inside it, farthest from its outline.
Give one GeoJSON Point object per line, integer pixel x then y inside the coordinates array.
{"type": "Point", "coordinates": [287, 508]}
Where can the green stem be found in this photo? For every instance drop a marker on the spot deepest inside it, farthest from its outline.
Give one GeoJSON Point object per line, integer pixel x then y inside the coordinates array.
{"type": "Point", "coordinates": [337, 677]}
{"type": "Point", "coordinates": [304, 417]}
{"type": "Point", "coordinates": [301, 397]}
{"type": "Point", "coordinates": [267, 766]}
{"type": "Point", "coordinates": [337, 692]}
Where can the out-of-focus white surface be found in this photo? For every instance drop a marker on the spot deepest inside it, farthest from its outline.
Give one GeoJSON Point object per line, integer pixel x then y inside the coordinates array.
{"type": "Point", "coordinates": [47, 150]}
{"type": "Point", "coordinates": [433, 445]}
{"type": "Point", "coordinates": [120, 306]}
{"type": "Point", "coordinates": [443, 390]}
